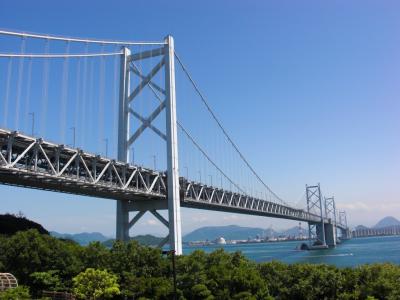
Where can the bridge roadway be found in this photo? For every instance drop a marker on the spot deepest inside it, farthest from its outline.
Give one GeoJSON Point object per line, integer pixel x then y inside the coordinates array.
{"type": "Point", "coordinates": [34, 163]}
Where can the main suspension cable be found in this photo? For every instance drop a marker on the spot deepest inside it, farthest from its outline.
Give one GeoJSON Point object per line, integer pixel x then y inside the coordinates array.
{"type": "Point", "coordinates": [59, 55]}
{"type": "Point", "coordinates": [191, 138]}
{"type": "Point", "coordinates": [81, 40]}
{"type": "Point", "coordinates": [224, 131]}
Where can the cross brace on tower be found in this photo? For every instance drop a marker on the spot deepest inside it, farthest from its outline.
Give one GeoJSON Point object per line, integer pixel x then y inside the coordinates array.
{"type": "Point", "coordinates": [126, 139]}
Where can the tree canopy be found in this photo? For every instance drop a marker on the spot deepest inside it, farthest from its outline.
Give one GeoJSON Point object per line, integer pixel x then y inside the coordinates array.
{"type": "Point", "coordinates": [131, 271]}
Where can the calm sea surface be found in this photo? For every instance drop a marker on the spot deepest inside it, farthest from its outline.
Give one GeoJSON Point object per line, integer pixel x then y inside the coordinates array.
{"type": "Point", "coordinates": [349, 253]}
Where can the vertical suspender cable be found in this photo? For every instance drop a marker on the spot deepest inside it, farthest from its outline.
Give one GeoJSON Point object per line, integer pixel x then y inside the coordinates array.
{"type": "Point", "coordinates": [101, 102]}
{"type": "Point", "coordinates": [83, 101]}
{"type": "Point", "coordinates": [92, 104]}
{"type": "Point", "coordinates": [205, 102]}
{"type": "Point", "coordinates": [7, 96]}
{"type": "Point", "coordinates": [77, 97]}
{"type": "Point", "coordinates": [19, 85]}
{"type": "Point", "coordinates": [28, 95]}
{"type": "Point", "coordinates": [114, 108]}
{"type": "Point", "coordinates": [45, 91]}
{"type": "Point", "coordinates": [64, 95]}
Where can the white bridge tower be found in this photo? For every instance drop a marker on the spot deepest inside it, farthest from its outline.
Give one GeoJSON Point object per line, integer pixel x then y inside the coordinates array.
{"type": "Point", "coordinates": [126, 139]}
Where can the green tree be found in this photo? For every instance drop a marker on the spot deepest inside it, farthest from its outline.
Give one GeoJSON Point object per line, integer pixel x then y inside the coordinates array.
{"type": "Point", "coordinates": [29, 251]}
{"type": "Point", "coordinates": [96, 256]}
{"type": "Point", "coordinates": [49, 281]}
{"type": "Point", "coordinates": [147, 287]}
{"type": "Point", "coordinates": [95, 284]}
{"type": "Point", "coordinates": [201, 292]}
{"type": "Point", "coordinates": [381, 281]}
{"type": "Point", "coordinates": [18, 293]}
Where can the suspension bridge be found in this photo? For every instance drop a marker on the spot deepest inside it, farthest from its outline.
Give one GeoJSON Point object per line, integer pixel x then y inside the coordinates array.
{"type": "Point", "coordinates": [117, 104]}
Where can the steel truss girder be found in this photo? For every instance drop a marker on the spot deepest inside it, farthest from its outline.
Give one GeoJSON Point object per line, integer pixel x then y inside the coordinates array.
{"type": "Point", "coordinates": [35, 163]}
{"type": "Point", "coordinates": [208, 197]}
{"type": "Point", "coordinates": [43, 163]}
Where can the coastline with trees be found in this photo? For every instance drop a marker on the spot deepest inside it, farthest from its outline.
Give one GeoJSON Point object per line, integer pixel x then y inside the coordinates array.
{"type": "Point", "coordinates": [131, 271]}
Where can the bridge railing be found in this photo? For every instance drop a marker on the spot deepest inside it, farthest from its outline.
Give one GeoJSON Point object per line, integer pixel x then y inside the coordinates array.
{"type": "Point", "coordinates": [40, 164]}
{"type": "Point", "coordinates": [27, 161]}
{"type": "Point", "coordinates": [200, 195]}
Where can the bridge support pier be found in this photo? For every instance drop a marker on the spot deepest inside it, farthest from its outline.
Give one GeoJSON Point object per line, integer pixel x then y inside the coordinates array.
{"type": "Point", "coordinates": [345, 234]}
{"type": "Point", "coordinates": [330, 234]}
{"type": "Point", "coordinates": [122, 221]}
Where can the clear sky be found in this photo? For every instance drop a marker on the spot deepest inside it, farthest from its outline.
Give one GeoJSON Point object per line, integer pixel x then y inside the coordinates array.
{"type": "Point", "coordinates": [309, 90]}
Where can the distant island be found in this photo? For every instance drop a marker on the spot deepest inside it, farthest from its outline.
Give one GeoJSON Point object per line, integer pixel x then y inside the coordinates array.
{"type": "Point", "coordinates": [238, 233]}
{"type": "Point", "coordinates": [10, 224]}
{"type": "Point", "coordinates": [387, 226]}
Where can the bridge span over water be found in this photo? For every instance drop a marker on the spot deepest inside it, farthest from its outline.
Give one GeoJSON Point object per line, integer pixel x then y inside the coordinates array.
{"type": "Point", "coordinates": [33, 162]}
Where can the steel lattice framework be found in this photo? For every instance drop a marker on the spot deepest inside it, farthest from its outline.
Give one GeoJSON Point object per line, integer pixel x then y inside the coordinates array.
{"type": "Point", "coordinates": [30, 162]}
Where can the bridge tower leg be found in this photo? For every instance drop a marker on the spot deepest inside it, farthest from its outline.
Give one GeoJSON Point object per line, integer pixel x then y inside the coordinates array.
{"type": "Point", "coordinates": [123, 136]}
{"type": "Point", "coordinates": [174, 204]}
{"type": "Point", "coordinates": [331, 227]}
{"type": "Point", "coordinates": [166, 95]}
{"type": "Point", "coordinates": [345, 233]}
{"type": "Point", "coordinates": [314, 201]}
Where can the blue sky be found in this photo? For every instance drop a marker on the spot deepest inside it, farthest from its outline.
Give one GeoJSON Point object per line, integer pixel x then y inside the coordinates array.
{"type": "Point", "coordinates": [309, 90]}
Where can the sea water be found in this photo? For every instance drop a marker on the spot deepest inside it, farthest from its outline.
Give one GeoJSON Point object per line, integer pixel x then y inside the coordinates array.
{"type": "Point", "coordinates": [349, 253]}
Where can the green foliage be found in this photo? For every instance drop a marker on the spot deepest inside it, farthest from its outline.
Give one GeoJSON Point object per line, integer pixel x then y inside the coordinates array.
{"type": "Point", "coordinates": [49, 281]}
{"type": "Point", "coordinates": [18, 293]}
{"type": "Point", "coordinates": [223, 275]}
{"type": "Point", "coordinates": [128, 270]}
{"type": "Point", "coordinates": [95, 255]}
{"type": "Point", "coordinates": [201, 292]}
{"type": "Point", "coordinates": [95, 284]}
{"type": "Point", "coordinates": [29, 251]}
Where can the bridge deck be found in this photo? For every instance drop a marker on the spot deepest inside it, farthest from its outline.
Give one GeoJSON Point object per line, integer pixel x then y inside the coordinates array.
{"type": "Point", "coordinates": [34, 163]}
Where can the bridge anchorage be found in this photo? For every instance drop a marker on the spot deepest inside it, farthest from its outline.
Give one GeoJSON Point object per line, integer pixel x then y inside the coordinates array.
{"type": "Point", "coordinates": [32, 162]}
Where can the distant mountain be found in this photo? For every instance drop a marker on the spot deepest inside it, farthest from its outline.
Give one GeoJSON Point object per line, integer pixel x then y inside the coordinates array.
{"type": "Point", "coordinates": [10, 224]}
{"type": "Point", "coordinates": [387, 222]}
{"type": "Point", "coordinates": [146, 240]}
{"type": "Point", "coordinates": [231, 232]}
{"type": "Point", "coordinates": [81, 238]}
